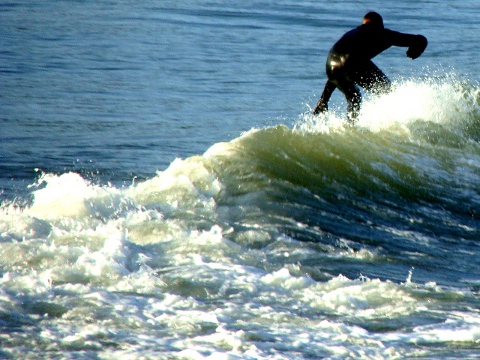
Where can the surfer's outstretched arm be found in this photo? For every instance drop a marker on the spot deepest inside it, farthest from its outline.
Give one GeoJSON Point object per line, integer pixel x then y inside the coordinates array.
{"type": "Point", "coordinates": [416, 43]}
{"type": "Point", "coordinates": [322, 105]}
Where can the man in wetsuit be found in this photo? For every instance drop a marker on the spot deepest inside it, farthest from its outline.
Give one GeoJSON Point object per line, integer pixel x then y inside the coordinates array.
{"type": "Point", "coordinates": [349, 62]}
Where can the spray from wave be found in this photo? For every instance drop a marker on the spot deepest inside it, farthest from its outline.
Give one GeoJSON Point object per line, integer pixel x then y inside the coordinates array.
{"type": "Point", "coordinates": [448, 103]}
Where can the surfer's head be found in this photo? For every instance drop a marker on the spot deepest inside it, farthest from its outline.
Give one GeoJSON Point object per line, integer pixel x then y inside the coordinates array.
{"type": "Point", "coordinates": [374, 19]}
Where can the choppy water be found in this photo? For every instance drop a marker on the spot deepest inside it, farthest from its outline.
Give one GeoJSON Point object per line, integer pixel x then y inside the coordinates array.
{"type": "Point", "coordinates": [166, 194]}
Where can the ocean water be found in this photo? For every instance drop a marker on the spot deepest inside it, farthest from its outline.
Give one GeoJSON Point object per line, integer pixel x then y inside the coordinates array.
{"type": "Point", "coordinates": [166, 194]}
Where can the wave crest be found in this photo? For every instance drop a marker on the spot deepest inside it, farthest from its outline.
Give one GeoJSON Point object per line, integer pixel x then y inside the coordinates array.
{"type": "Point", "coordinates": [448, 103]}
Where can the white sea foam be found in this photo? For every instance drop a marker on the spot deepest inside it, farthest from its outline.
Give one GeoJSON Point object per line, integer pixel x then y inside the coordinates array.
{"type": "Point", "coordinates": [257, 315]}
{"type": "Point", "coordinates": [70, 196]}
{"type": "Point", "coordinates": [172, 267]}
{"type": "Point", "coordinates": [154, 300]}
{"type": "Point", "coordinates": [444, 101]}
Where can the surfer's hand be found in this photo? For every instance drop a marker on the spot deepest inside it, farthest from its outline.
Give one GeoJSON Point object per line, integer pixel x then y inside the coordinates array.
{"type": "Point", "coordinates": [413, 54]}
{"type": "Point", "coordinates": [417, 48]}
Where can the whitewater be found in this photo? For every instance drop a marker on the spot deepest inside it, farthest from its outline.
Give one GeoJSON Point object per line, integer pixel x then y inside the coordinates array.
{"type": "Point", "coordinates": [321, 240]}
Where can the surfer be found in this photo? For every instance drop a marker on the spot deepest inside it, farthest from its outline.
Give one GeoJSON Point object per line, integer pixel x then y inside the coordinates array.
{"type": "Point", "coordinates": [349, 62]}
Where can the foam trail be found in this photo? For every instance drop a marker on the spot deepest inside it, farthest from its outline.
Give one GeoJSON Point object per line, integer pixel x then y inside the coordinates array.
{"type": "Point", "coordinates": [446, 101]}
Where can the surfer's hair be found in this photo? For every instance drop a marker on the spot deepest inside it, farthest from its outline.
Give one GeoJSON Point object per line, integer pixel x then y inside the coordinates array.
{"type": "Point", "coordinates": [373, 18]}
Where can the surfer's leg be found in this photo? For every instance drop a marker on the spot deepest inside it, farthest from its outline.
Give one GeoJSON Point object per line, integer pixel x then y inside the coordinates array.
{"type": "Point", "coordinates": [354, 98]}
{"type": "Point", "coordinates": [370, 77]}
{"type": "Point", "coordinates": [322, 105]}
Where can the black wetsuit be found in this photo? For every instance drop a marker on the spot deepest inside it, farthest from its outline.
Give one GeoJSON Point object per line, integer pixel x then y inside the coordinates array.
{"type": "Point", "coordinates": [349, 63]}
